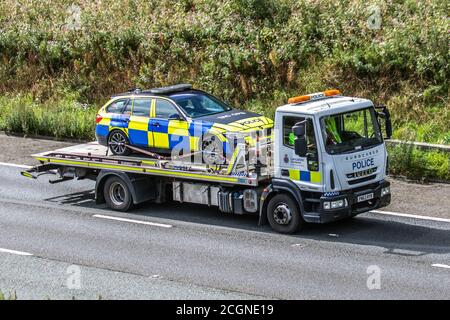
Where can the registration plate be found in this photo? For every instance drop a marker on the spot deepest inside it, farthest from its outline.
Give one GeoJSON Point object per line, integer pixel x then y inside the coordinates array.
{"type": "Point", "coordinates": [365, 197]}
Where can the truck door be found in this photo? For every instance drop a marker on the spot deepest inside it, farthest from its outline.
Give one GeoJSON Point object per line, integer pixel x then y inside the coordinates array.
{"type": "Point", "coordinates": [304, 170]}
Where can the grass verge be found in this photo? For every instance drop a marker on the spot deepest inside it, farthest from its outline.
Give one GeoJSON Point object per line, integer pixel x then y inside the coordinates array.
{"type": "Point", "coordinates": [413, 163]}
{"type": "Point", "coordinates": [12, 296]}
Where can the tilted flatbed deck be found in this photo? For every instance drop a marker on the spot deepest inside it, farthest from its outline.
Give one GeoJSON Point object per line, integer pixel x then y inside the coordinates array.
{"type": "Point", "coordinates": [94, 156]}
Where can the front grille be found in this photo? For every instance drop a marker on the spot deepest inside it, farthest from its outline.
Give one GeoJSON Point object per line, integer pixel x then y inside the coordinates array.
{"type": "Point", "coordinates": [356, 181]}
{"type": "Point", "coordinates": [361, 174]}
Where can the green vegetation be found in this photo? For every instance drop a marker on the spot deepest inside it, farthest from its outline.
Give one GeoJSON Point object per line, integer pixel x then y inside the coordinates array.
{"type": "Point", "coordinates": [56, 70]}
{"type": "Point", "coordinates": [12, 296]}
{"type": "Point", "coordinates": [63, 118]}
{"type": "Point", "coordinates": [411, 162]}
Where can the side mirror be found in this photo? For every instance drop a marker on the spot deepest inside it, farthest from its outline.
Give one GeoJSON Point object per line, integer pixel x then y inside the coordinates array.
{"type": "Point", "coordinates": [387, 120]}
{"type": "Point", "coordinates": [175, 116]}
{"type": "Point", "coordinates": [301, 148]}
{"type": "Point", "coordinates": [299, 129]}
{"type": "Point", "coordinates": [388, 123]}
{"type": "Point", "coordinates": [300, 145]}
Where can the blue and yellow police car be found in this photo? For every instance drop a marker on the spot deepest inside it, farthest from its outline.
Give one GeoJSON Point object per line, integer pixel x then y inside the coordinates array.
{"type": "Point", "coordinates": [177, 116]}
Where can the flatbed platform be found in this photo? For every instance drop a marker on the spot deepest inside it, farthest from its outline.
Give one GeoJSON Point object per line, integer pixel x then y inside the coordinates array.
{"type": "Point", "coordinates": [95, 156]}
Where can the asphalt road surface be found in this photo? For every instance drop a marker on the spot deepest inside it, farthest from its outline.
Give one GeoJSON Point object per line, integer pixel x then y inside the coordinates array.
{"type": "Point", "coordinates": [56, 243]}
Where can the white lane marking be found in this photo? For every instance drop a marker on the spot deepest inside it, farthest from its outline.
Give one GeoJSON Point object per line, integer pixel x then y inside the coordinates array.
{"type": "Point", "coordinates": [406, 215]}
{"type": "Point", "coordinates": [20, 253]}
{"type": "Point", "coordinates": [438, 265]}
{"type": "Point", "coordinates": [333, 235]}
{"type": "Point", "coordinates": [133, 221]}
{"type": "Point", "coordinates": [14, 165]}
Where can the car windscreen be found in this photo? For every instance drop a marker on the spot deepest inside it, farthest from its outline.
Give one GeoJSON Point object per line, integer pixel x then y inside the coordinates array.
{"type": "Point", "coordinates": [199, 104]}
{"type": "Point", "coordinates": [353, 130]}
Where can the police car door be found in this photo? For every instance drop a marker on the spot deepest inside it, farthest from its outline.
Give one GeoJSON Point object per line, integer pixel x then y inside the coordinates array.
{"type": "Point", "coordinates": [160, 124]}
{"type": "Point", "coordinates": [138, 127]}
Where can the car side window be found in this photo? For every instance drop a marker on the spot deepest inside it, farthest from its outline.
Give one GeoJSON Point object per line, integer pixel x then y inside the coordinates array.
{"type": "Point", "coordinates": [128, 107]}
{"type": "Point", "coordinates": [116, 106]}
{"type": "Point", "coordinates": [141, 107]}
{"type": "Point", "coordinates": [164, 109]}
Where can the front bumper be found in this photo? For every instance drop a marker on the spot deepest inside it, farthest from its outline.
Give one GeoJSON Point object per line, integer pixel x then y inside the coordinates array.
{"type": "Point", "coordinates": [354, 207]}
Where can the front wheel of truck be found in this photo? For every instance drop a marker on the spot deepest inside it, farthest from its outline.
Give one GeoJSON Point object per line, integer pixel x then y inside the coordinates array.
{"type": "Point", "coordinates": [283, 214]}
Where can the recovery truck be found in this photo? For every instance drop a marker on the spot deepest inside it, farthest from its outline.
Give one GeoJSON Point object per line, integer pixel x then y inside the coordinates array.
{"type": "Point", "coordinates": [325, 160]}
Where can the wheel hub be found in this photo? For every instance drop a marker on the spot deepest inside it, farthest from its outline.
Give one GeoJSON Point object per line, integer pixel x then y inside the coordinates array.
{"type": "Point", "coordinates": [117, 143]}
{"type": "Point", "coordinates": [282, 214]}
{"type": "Point", "coordinates": [211, 150]}
{"type": "Point", "coordinates": [117, 193]}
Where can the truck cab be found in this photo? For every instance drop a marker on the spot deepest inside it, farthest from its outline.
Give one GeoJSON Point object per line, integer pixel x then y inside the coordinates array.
{"type": "Point", "coordinates": [330, 157]}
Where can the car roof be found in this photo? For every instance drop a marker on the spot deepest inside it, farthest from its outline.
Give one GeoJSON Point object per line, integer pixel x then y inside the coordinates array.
{"type": "Point", "coordinates": [161, 91]}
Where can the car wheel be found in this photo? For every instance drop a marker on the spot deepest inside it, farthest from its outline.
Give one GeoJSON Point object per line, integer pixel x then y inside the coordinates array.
{"type": "Point", "coordinates": [212, 150]}
{"type": "Point", "coordinates": [283, 214]}
{"type": "Point", "coordinates": [117, 142]}
{"type": "Point", "coordinates": [117, 195]}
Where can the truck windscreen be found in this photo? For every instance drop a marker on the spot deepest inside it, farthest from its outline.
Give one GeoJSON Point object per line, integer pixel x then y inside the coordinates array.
{"type": "Point", "coordinates": [354, 130]}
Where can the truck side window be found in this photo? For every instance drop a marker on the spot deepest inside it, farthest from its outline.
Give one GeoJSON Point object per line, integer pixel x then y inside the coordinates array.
{"type": "Point", "coordinates": [288, 136]}
{"type": "Point", "coordinates": [289, 139]}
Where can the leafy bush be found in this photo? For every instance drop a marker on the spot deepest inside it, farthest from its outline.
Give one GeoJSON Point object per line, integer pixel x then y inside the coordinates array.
{"type": "Point", "coordinates": [61, 119]}
{"type": "Point", "coordinates": [12, 296]}
{"type": "Point", "coordinates": [407, 160]}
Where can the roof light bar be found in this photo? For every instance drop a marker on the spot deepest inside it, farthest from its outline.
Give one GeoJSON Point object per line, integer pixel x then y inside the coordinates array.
{"type": "Point", "coordinates": [314, 96]}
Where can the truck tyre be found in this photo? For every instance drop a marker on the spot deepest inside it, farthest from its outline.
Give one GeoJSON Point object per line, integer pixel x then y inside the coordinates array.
{"type": "Point", "coordinates": [283, 214]}
{"type": "Point", "coordinates": [117, 194]}
{"type": "Point", "coordinates": [117, 142]}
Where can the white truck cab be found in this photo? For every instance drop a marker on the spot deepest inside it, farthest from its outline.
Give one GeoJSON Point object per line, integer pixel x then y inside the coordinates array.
{"type": "Point", "coordinates": [329, 154]}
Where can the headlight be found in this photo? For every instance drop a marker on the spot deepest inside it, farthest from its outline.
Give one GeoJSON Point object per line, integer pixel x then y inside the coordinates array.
{"type": "Point", "coordinates": [327, 205]}
{"type": "Point", "coordinates": [385, 191]}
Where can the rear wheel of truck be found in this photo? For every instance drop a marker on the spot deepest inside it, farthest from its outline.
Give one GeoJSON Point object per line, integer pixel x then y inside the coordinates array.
{"type": "Point", "coordinates": [117, 195]}
{"type": "Point", "coordinates": [283, 214]}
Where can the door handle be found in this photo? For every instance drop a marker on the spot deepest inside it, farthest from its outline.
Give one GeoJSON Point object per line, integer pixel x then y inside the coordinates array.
{"type": "Point", "coordinates": [127, 120]}
{"type": "Point", "coordinates": [156, 124]}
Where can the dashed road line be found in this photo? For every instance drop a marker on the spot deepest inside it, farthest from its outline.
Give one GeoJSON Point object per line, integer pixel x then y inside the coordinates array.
{"type": "Point", "coordinates": [19, 253]}
{"type": "Point", "coordinates": [439, 265]}
{"type": "Point", "coordinates": [14, 165]}
{"type": "Point", "coordinates": [406, 215]}
{"type": "Point", "coordinates": [162, 225]}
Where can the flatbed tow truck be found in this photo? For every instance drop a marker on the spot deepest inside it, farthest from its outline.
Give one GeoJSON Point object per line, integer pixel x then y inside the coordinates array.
{"type": "Point", "coordinates": [325, 161]}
